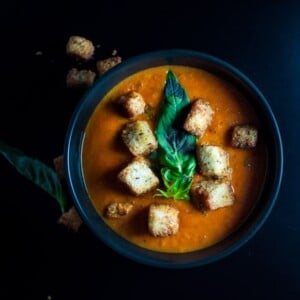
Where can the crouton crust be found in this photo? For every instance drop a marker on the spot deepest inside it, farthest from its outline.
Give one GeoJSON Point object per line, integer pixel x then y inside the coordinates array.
{"type": "Point", "coordinates": [163, 220]}
{"type": "Point", "coordinates": [80, 78]}
{"type": "Point", "coordinates": [133, 104]}
{"type": "Point", "coordinates": [199, 118]}
{"type": "Point", "coordinates": [138, 176]}
{"type": "Point", "coordinates": [104, 65]}
{"type": "Point", "coordinates": [80, 47]}
{"type": "Point", "coordinates": [213, 161]}
{"type": "Point", "coordinates": [244, 136]}
{"type": "Point", "coordinates": [211, 194]}
{"type": "Point", "coordinates": [117, 210]}
{"type": "Point", "coordinates": [139, 138]}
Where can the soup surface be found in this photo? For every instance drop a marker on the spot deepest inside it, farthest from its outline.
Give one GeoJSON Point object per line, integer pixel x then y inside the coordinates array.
{"type": "Point", "coordinates": [104, 155]}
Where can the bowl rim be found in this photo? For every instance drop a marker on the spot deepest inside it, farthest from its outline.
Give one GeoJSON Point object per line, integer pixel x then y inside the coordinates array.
{"type": "Point", "coordinates": [117, 243]}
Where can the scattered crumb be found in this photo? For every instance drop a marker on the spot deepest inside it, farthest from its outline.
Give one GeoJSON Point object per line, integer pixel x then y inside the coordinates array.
{"type": "Point", "coordinates": [114, 53]}
{"type": "Point", "coordinates": [104, 65]}
{"type": "Point", "coordinates": [71, 219]}
{"type": "Point", "coordinates": [80, 78]}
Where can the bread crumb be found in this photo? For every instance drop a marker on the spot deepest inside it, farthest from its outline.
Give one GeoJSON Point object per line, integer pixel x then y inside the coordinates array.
{"type": "Point", "coordinates": [80, 78]}
{"type": "Point", "coordinates": [104, 65]}
{"type": "Point", "coordinates": [71, 219]}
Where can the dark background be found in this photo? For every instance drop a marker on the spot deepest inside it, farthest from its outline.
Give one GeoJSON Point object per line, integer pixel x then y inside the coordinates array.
{"type": "Point", "coordinates": [40, 258]}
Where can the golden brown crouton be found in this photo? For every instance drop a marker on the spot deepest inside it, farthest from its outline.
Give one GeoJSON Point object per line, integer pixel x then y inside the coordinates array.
{"type": "Point", "coordinates": [80, 47]}
{"type": "Point", "coordinates": [163, 220]}
{"type": "Point", "coordinates": [138, 176]}
{"type": "Point", "coordinates": [244, 136]}
{"type": "Point", "coordinates": [211, 194]}
{"type": "Point", "coordinates": [80, 78]}
{"type": "Point", "coordinates": [139, 138]}
{"type": "Point", "coordinates": [199, 118]}
{"type": "Point", "coordinates": [117, 210]}
{"type": "Point", "coordinates": [106, 64]}
{"type": "Point", "coordinates": [58, 163]}
{"type": "Point", "coordinates": [132, 103]}
{"type": "Point", "coordinates": [213, 161]}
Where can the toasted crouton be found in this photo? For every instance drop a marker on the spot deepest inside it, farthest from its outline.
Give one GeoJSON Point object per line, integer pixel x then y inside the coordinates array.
{"type": "Point", "coordinates": [132, 103]}
{"type": "Point", "coordinates": [117, 210]}
{"type": "Point", "coordinates": [138, 176]}
{"type": "Point", "coordinates": [139, 138]}
{"type": "Point", "coordinates": [213, 161]}
{"type": "Point", "coordinates": [106, 64]}
{"type": "Point", "coordinates": [199, 118]}
{"type": "Point", "coordinates": [80, 78]}
{"type": "Point", "coordinates": [211, 194]}
{"type": "Point", "coordinates": [163, 220]}
{"type": "Point", "coordinates": [80, 47]}
{"type": "Point", "coordinates": [244, 136]}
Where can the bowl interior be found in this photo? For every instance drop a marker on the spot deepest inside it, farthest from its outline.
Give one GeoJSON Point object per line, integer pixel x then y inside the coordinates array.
{"type": "Point", "coordinates": [73, 164]}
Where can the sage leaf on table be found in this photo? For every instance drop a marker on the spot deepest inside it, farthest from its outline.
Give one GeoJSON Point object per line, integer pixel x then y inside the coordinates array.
{"type": "Point", "coordinates": [176, 147]}
{"type": "Point", "coordinates": [37, 172]}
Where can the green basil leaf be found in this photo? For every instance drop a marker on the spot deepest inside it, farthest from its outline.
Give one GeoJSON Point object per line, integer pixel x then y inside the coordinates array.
{"type": "Point", "coordinates": [176, 100]}
{"type": "Point", "coordinates": [176, 146]}
{"type": "Point", "coordinates": [37, 172]}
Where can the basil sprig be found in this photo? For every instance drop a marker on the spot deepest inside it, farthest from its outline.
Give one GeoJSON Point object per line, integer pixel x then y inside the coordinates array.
{"type": "Point", "coordinates": [176, 146]}
{"type": "Point", "coordinates": [37, 172]}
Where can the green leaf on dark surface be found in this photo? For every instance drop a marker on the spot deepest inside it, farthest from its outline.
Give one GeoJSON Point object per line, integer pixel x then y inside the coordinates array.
{"type": "Point", "coordinates": [176, 146]}
{"type": "Point", "coordinates": [37, 172]}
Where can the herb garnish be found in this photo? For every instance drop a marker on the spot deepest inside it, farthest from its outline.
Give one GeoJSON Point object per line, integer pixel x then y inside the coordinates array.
{"type": "Point", "coordinates": [176, 146]}
{"type": "Point", "coordinates": [37, 172]}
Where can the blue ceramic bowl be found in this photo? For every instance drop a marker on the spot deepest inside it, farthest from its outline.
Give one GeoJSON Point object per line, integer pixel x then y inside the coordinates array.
{"type": "Point", "coordinates": [75, 180]}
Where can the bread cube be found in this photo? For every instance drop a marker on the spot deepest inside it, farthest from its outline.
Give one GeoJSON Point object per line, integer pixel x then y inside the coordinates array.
{"type": "Point", "coordinates": [244, 136]}
{"type": "Point", "coordinates": [104, 65]}
{"type": "Point", "coordinates": [80, 47]}
{"type": "Point", "coordinates": [139, 138]}
{"type": "Point", "coordinates": [199, 118]}
{"type": "Point", "coordinates": [138, 176]}
{"type": "Point", "coordinates": [213, 161]}
{"type": "Point", "coordinates": [117, 210]}
{"type": "Point", "coordinates": [132, 103]}
{"type": "Point", "coordinates": [211, 194]}
{"type": "Point", "coordinates": [163, 220]}
{"type": "Point", "coordinates": [80, 78]}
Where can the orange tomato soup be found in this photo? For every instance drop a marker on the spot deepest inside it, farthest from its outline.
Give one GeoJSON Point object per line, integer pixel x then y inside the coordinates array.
{"type": "Point", "coordinates": [104, 155]}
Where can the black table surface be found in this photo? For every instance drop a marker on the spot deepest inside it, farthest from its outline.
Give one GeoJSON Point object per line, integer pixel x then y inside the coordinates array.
{"type": "Point", "coordinates": [41, 259]}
